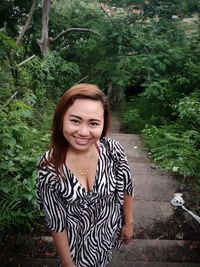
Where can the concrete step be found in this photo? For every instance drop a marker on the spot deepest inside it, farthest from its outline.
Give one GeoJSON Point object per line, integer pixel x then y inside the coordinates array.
{"type": "Point", "coordinates": [148, 251]}
{"type": "Point", "coordinates": [14, 262]}
{"type": "Point", "coordinates": [153, 264]}
{"type": "Point", "coordinates": [140, 253]}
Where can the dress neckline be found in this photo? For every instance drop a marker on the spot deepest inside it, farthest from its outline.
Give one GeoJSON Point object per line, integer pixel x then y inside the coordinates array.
{"type": "Point", "coordinates": [73, 176]}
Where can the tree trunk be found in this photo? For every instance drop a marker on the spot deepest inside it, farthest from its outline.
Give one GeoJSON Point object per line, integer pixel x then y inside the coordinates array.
{"type": "Point", "coordinates": [44, 41]}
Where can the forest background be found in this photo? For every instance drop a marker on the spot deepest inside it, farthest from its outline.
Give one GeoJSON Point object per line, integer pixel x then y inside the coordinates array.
{"type": "Point", "coordinates": [143, 54]}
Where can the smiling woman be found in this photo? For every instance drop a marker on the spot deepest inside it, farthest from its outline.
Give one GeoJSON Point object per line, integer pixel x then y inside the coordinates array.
{"type": "Point", "coordinates": [84, 182]}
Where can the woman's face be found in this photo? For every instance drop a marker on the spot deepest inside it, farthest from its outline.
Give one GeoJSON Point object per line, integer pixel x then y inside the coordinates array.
{"type": "Point", "coordinates": [83, 123]}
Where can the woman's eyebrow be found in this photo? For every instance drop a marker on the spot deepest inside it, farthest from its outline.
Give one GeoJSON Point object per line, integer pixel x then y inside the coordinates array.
{"type": "Point", "coordinates": [75, 116]}
{"type": "Point", "coordinates": [79, 118]}
{"type": "Point", "coordinates": [96, 120]}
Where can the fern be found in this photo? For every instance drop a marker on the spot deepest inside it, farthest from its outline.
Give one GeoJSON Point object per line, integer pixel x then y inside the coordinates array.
{"type": "Point", "coordinates": [171, 149]}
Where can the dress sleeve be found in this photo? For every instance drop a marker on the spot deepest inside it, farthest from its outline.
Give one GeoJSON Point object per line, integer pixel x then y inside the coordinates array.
{"type": "Point", "coordinates": [125, 183]}
{"type": "Point", "coordinates": [49, 199]}
{"type": "Point", "coordinates": [123, 171]}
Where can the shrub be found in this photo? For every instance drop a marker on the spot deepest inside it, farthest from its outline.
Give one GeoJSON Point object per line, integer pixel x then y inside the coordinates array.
{"type": "Point", "coordinates": [20, 147]}
{"type": "Point", "coordinates": [176, 146]}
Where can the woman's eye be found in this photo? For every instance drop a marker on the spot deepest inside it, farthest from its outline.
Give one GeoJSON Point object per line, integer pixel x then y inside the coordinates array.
{"type": "Point", "coordinates": [75, 122]}
{"type": "Point", "coordinates": [93, 124]}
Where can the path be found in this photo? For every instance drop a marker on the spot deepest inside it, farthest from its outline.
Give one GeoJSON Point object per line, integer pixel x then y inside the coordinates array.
{"type": "Point", "coordinates": [153, 188]}
{"type": "Point", "coordinates": [153, 192]}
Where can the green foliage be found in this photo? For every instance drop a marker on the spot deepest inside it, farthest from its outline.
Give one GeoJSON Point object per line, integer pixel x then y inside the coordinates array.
{"type": "Point", "coordinates": [166, 9]}
{"type": "Point", "coordinates": [132, 121]}
{"type": "Point", "coordinates": [174, 150]}
{"type": "Point", "coordinates": [20, 147]}
{"type": "Point", "coordinates": [52, 75]}
{"type": "Point", "coordinates": [140, 111]}
{"type": "Point", "coordinates": [12, 12]}
{"type": "Point", "coordinates": [189, 111]}
{"type": "Point", "coordinates": [7, 46]}
{"type": "Point", "coordinates": [177, 145]}
{"type": "Point", "coordinates": [13, 215]}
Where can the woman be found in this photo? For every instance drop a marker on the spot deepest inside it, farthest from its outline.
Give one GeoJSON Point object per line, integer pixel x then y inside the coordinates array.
{"type": "Point", "coordinates": [84, 182]}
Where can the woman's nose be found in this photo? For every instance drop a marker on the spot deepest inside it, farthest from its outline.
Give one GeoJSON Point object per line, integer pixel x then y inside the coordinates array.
{"type": "Point", "coordinates": [83, 130]}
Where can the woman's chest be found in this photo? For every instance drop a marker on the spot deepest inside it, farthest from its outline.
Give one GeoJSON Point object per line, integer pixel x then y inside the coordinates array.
{"type": "Point", "coordinates": [104, 184]}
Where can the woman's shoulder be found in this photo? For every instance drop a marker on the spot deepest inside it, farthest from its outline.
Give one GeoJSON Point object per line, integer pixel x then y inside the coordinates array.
{"type": "Point", "coordinates": [45, 159]}
{"type": "Point", "coordinates": [46, 155]}
{"type": "Point", "coordinates": [45, 166]}
{"type": "Point", "coordinates": [110, 141]}
{"type": "Point", "coordinates": [111, 144]}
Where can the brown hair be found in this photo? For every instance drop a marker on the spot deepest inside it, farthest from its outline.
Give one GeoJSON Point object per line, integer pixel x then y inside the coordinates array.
{"type": "Point", "coordinates": [58, 142]}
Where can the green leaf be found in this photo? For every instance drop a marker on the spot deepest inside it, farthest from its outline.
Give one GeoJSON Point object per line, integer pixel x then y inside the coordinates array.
{"type": "Point", "coordinates": [28, 196]}
{"type": "Point", "coordinates": [162, 66]}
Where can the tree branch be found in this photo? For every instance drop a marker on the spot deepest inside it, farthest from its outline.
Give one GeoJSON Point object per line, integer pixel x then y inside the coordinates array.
{"type": "Point", "coordinates": [73, 30]}
{"type": "Point", "coordinates": [26, 60]}
{"type": "Point", "coordinates": [28, 21]}
{"type": "Point", "coordinates": [9, 100]}
{"type": "Point", "coordinates": [103, 8]}
{"type": "Point", "coordinates": [82, 79]}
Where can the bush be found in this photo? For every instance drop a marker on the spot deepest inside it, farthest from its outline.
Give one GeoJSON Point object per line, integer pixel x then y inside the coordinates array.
{"type": "Point", "coordinates": [20, 147]}
{"type": "Point", "coordinates": [140, 111]}
{"type": "Point", "coordinates": [176, 146]}
{"type": "Point", "coordinates": [173, 150]}
{"type": "Point", "coordinates": [51, 76]}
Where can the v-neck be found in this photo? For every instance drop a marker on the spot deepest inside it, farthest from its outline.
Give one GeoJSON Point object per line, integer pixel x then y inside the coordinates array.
{"type": "Point", "coordinates": [74, 177]}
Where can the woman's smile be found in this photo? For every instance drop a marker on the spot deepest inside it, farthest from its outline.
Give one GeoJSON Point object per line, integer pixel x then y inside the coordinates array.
{"type": "Point", "coordinates": [81, 141]}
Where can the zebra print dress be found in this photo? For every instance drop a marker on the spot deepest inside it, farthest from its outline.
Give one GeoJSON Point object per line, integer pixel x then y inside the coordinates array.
{"type": "Point", "coordinates": [92, 219]}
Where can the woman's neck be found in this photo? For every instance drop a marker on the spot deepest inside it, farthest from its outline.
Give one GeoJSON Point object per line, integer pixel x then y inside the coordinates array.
{"type": "Point", "coordinates": [83, 153]}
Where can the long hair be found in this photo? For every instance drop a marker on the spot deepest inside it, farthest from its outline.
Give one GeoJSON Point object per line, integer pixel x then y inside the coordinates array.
{"type": "Point", "coordinates": [59, 144]}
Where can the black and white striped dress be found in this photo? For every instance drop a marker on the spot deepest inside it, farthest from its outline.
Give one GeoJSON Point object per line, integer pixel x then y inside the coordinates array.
{"type": "Point", "coordinates": [92, 219]}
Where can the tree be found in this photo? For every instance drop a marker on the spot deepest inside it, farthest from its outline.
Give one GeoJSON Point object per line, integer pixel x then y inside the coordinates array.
{"type": "Point", "coordinates": [45, 41]}
{"type": "Point", "coordinates": [16, 13]}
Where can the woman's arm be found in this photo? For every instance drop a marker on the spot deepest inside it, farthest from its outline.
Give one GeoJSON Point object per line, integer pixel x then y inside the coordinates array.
{"type": "Point", "coordinates": [127, 228]}
{"type": "Point", "coordinates": [62, 246]}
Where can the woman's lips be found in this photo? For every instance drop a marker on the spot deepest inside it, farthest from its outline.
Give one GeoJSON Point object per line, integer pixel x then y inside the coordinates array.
{"type": "Point", "coordinates": [81, 141]}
